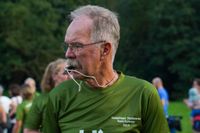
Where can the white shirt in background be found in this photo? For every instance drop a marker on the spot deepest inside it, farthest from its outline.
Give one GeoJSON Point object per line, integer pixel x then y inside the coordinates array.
{"type": "Point", "coordinates": [5, 102]}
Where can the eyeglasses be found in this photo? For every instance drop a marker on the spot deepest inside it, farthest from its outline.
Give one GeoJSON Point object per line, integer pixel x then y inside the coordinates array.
{"type": "Point", "coordinates": [76, 46]}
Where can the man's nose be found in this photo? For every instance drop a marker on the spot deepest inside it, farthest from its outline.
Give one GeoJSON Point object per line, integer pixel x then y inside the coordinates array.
{"type": "Point", "coordinates": [70, 53]}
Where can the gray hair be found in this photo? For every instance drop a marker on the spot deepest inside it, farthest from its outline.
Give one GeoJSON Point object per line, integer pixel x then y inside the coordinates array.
{"type": "Point", "coordinates": [157, 80]}
{"type": "Point", "coordinates": [105, 24]}
{"type": "Point", "coordinates": [29, 79]}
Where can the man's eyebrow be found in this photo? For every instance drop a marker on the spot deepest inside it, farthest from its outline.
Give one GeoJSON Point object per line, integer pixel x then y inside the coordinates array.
{"type": "Point", "coordinates": [75, 42]}
{"type": "Point", "coordinates": [70, 41]}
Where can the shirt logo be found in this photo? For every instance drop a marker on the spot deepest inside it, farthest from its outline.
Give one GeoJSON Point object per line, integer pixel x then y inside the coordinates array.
{"type": "Point", "coordinates": [126, 121]}
{"type": "Point", "coordinates": [93, 131]}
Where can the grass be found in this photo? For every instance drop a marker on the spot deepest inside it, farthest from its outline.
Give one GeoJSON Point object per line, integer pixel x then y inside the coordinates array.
{"type": "Point", "coordinates": [179, 108]}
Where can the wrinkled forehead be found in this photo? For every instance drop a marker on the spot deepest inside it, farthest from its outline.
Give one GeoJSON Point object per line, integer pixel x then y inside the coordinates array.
{"type": "Point", "coordinates": [79, 28]}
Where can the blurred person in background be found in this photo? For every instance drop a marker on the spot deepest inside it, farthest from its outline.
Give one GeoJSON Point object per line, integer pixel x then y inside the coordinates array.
{"type": "Point", "coordinates": [53, 75]}
{"type": "Point", "coordinates": [5, 102]}
{"type": "Point", "coordinates": [23, 108]}
{"type": "Point", "coordinates": [3, 119]}
{"type": "Point", "coordinates": [193, 102]}
{"type": "Point", "coordinates": [31, 82]}
{"type": "Point", "coordinates": [157, 82]}
{"type": "Point", "coordinates": [16, 99]}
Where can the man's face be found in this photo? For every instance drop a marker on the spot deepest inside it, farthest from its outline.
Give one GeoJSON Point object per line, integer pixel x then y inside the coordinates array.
{"type": "Point", "coordinates": [83, 59]}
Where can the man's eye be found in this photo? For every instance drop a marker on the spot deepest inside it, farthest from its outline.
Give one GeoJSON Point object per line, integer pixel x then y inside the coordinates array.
{"type": "Point", "coordinates": [77, 46]}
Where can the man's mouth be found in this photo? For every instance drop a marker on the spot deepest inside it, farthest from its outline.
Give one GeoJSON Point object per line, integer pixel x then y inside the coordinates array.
{"type": "Point", "coordinates": [69, 69]}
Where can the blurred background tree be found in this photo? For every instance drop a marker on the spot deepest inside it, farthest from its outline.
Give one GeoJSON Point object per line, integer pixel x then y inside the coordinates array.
{"type": "Point", "coordinates": [158, 38]}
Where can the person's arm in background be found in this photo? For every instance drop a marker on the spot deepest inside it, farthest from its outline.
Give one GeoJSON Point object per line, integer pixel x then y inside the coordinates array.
{"type": "Point", "coordinates": [191, 95]}
{"type": "Point", "coordinates": [50, 123]}
{"type": "Point", "coordinates": [17, 126]}
{"type": "Point", "coordinates": [3, 116]}
{"type": "Point", "coordinates": [189, 104]}
{"type": "Point", "coordinates": [162, 99]}
{"type": "Point", "coordinates": [163, 102]}
{"type": "Point", "coordinates": [19, 118]}
{"type": "Point", "coordinates": [34, 118]}
{"type": "Point", "coordinates": [153, 118]}
{"type": "Point", "coordinates": [13, 107]}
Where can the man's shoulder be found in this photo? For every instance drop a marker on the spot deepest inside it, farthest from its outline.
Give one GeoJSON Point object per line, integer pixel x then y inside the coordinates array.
{"type": "Point", "coordinates": [139, 83]}
{"type": "Point", "coordinates": [135, 80]}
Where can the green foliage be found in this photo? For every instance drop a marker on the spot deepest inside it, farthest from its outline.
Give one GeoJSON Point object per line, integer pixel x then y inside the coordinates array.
{"type": "Point", "coordinates": [161, 38]}
{"type": "Point", "coordinates": [174, 43]}
{"type": "Point", "coordinates": [28, 38]}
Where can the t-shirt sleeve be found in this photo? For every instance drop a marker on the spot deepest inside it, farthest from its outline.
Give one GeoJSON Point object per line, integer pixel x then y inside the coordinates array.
{"type": "Point", "coordinates": [34, 118]}
{"type": "Point", "coordinates": [50, 123]}
{"type": "Point", "coordinates": [153, 119]}
{"type": "Point", "coordinates": [20, 112]}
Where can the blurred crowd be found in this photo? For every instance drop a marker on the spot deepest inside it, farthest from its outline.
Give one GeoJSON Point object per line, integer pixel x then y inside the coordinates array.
{"type": "Point", "coordinates": [19, 95]}
{"type": "Point", "coordinates": [24, 102]}
{"type": "Point", "coordinates": [15, 108]}
{"type": "Point", "coordinates": [192, 102]}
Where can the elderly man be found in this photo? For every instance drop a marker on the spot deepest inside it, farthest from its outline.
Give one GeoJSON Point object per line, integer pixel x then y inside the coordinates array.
{"type": "Point", "coordinates": [99, 99]}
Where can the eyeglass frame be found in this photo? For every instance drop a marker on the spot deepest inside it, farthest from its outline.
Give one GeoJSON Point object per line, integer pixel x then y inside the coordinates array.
{"type": "Point", "coordinates": [78, 45]}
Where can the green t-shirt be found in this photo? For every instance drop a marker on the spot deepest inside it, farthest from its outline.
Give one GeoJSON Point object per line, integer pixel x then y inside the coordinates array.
{"type": "Point", "coordinates": [22, 111]}
{"type": "Point", "coordinates": [130, 105]}
{"type": "Point", "coordinates": [35, 116]}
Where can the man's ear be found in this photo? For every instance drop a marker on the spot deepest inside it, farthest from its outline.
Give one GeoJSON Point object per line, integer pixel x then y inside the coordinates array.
{"type": "Point", "coordinates": [105, 49]}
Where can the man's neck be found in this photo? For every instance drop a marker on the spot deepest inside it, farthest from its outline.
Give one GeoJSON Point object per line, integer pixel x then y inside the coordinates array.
{"type": "Point", "coordinates": [103, 79]}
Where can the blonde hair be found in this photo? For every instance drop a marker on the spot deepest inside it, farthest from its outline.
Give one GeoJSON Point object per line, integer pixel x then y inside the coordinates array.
{"type": "Point", "coordinates": [47, 82]}
{"type": "Point", "coordinates": [27, 92]}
